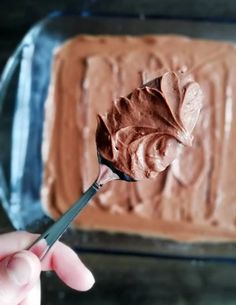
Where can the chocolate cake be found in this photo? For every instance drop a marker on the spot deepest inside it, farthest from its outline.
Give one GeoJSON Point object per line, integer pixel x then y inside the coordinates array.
{"type": "Point", "coordinates": [194, 199]}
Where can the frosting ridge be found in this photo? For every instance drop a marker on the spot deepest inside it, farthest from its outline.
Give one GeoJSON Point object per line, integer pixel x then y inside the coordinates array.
{"type": "Point", "coordinates": [142, 132]}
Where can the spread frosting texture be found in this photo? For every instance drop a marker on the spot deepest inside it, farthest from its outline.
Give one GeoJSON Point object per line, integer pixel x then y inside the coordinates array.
{"type": "Point", "coordinates": [194, 199]}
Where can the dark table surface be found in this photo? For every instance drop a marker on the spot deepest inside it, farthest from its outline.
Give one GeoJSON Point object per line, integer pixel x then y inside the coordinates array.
{"type": "Point", "coordinates": [16, 19]}
{"type": "Point", "coordinates": [18, 16]}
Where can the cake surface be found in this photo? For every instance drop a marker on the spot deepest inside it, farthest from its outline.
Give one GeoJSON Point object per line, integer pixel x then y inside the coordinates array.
{"type": "Point", "coordinates": [194, 199]}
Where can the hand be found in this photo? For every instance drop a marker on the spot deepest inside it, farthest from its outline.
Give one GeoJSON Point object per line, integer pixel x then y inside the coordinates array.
{"type": "Point", "coordinates": [20, 269]}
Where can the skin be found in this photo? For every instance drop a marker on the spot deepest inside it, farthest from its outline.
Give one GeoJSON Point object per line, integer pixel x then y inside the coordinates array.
{"type": "Point", "coordinates": [20, 269]}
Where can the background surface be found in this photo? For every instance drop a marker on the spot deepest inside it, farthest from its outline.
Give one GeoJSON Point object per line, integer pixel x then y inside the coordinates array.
{"type": "Point", "coordinates": [18, 16]}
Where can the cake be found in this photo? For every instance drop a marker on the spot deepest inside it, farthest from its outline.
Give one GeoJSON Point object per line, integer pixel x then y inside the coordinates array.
{"type": "Point", "coordinates": [194, 198]}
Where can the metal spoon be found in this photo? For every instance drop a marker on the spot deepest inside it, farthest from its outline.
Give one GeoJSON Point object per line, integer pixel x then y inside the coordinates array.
{"type": "Point", "coordinates": [107, 172]}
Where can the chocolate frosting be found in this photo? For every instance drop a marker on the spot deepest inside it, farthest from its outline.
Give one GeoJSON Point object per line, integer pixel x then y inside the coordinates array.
{"type": "Point", "coordinates": [194, 198]}
{"type": "Point", "coordinates": [142, 132]}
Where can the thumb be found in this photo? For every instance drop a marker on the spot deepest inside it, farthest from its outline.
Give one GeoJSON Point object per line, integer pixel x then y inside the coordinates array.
{"type": "Point", "coordinates": [18, 274]}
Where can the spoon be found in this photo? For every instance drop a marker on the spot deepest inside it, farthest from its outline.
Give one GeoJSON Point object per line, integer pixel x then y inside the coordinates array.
{"type": "Point", "coordinates": [107, 172]}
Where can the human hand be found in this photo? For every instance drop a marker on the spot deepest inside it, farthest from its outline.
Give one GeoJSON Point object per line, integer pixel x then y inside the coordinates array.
{"type": "Point", "coordinates": [20, 269]}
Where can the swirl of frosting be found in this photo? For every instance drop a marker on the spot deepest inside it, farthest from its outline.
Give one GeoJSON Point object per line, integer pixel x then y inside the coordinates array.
{"type": "Point", "coordinates": [142, 132]}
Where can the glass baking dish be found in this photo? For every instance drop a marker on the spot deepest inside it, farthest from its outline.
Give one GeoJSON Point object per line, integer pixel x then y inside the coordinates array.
{"type": "Point", "coordinates": [24, 86]}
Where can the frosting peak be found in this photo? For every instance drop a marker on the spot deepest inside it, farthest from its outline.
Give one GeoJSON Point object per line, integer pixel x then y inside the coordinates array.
{"type": "Point", "coordinates": [142, 132]}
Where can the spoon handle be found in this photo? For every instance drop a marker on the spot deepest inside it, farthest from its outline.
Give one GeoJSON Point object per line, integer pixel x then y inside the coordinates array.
{"type": "Point", "coordinates": [44, 243]}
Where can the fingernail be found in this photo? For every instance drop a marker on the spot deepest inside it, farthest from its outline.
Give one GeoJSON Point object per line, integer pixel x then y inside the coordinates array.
{"type": "Point", "coordinates": [90, 280]}
{"type": "Point", "coordinates": [19, 269]}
